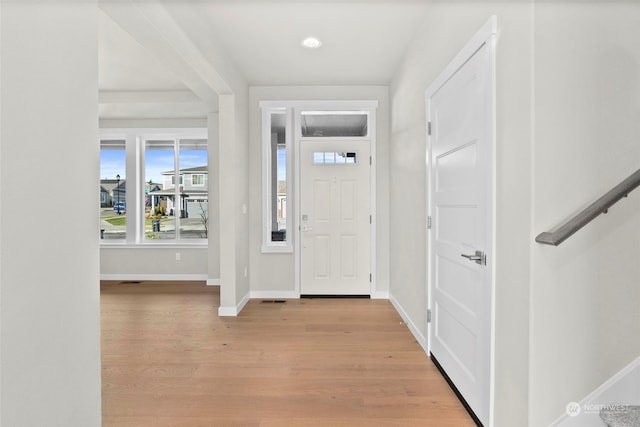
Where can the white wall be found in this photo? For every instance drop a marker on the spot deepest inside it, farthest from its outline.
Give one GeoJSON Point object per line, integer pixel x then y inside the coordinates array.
{"type": "Point", "coordinates": [585, 297]}
{"type": "Point", "coordinates": [144, 263]}
{"type": "Point", "coordinates": [566, 317]}
{"type": "Point", "coordinates": [233, 165]}
{"type": "Point", "coordinates": [213, 249]}
{"type": "Point", "coordinates": [242, 192]}
{"type": "Point", "coordinates": [138, 123]}
{"type": "Point", "coordinates": [446, 29]}
{"type": "Point", "coordinates": [50, 314]}
{"type": "Point", "coordinates": [274, 272]}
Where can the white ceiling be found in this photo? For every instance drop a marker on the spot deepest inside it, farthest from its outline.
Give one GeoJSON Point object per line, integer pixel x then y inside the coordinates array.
{"type": "Point", "coordinates": [157, 54]}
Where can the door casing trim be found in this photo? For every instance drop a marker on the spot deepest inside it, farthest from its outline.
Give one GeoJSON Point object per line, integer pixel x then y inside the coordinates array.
{"type": "Point", "coordinates": [366, 105]}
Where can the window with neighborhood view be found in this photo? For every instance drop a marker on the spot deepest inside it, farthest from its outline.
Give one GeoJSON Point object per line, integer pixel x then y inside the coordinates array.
{"type": "Point", "coordinates": [113, 178]}
{"type": "Point", "coordinates": [276, 176]}
{"type": "Point", "coordinates": [160, 210]}
{"type": "Point", "coordinates": [194, 201]}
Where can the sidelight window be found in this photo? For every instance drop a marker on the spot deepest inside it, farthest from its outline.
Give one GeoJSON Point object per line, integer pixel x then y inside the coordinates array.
{"type": "Point", "coordinates": [276, 143]}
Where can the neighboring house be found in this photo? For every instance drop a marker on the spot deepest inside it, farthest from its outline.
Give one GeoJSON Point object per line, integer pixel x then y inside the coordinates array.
{"type": "Point", "coordinates": [193, 192]}
{"type": "Point", "coordinates": [150, 187]}
{"type": "Point", "coordinates": [112, 190]}
{"type": "Point", "coordinates": [105, 197]}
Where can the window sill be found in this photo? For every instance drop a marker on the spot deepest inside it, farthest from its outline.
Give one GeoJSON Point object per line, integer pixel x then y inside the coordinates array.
{"type": "Point", "coordinates": [277, 249]}
{"type": "Point", "coordinates": [169, 245]}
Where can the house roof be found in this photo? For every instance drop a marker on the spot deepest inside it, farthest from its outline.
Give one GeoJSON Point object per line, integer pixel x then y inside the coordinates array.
{"type": "Point", "coordinates": [195, 169]}
{"type": "Point", "coordinates": [112, 185]}
{"type": "Point", "coordinates": [171, 192]}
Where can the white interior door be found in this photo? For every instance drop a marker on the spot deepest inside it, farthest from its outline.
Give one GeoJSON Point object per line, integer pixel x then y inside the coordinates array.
{"type": "Point", "coordinates": [335, 217]}
{"type": "Point", "coordinates": [460, 110]}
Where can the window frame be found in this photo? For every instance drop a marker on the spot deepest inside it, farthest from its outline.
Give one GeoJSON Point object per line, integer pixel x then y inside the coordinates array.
{"type": "Point", "coordinates": [135, 144]}
{"type": "Point", "coordinates": [268, 245]}
{"type": "Point", "coordinates": [110, 138]}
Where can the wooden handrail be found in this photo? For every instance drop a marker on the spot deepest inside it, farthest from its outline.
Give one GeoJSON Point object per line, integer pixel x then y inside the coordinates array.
{"type": "Point", "coordinates": [598, 207]}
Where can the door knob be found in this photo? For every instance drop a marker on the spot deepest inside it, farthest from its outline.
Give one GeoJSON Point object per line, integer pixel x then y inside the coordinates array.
{"type": "Point", "coordinates": [479, 257]}
{"type": "Point", "coordinates": [305, 228]}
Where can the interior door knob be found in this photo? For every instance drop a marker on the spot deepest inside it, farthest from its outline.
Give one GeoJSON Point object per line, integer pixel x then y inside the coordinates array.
{"type": "Point", "coordinates": [479, 257]}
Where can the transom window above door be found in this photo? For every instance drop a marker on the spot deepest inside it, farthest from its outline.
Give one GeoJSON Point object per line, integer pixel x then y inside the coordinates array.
{"type": "Point", "coordinates": [334, 124]}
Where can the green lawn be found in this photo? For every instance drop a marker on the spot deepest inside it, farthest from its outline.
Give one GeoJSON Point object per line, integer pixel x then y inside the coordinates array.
{"type": "Point", "coordinates": [117, 220]}
{"type": "Point", "coordinates": [122, 220]}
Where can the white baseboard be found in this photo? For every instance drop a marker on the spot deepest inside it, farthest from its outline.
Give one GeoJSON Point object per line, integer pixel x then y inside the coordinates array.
{"type": "Point", "coordinates": [163, 277]}
{"type": "Point", "coordinates": [227, 311]}
{"type": "Point", "coordinates": [213, 282]}
{"type": "Point", "coordinates": [621, 389]}
{"type": "Point", "coordinates": [274, 294]}
{"type": "Point", "coordinates": [412, 327]}
{"type": "Point", "coordinates": [380, 295]}
{"type": "Point", "coordinates": [233, 311]}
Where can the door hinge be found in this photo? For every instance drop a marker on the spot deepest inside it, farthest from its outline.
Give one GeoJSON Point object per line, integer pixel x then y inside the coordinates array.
{"type": "Point", "coordinates": [370, 219]}
{"type": "Point", "coordinates": [370, 277]}
{"type": "Point", "coordinates": [429, 223]}
{"type": "Point", "coordinates": [429, 316]}
{"type": "Point", "coordinates": [370, 160]}
{"type": "Point", "coordinates": [429, 128]}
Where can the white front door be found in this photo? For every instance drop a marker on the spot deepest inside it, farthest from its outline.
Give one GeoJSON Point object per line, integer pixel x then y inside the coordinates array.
{"type": "Point", "coordinates": [460, 109]}
{"type": "Point", "coordinates": [335, 214]}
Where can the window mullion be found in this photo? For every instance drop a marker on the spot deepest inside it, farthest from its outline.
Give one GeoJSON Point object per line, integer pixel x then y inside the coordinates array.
{"type": "Point", "coordinates": [177, 210]}
{"type": "Point", "coordinates": [131, 165]}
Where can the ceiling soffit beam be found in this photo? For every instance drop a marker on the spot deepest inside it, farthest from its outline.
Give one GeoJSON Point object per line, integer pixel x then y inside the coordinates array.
{"type": "Point", "coordinates": [151, 104]}
{"type": "Point", "coordinates": [151, 25]}
{"type": "Point", "coordinates": [146, 96]}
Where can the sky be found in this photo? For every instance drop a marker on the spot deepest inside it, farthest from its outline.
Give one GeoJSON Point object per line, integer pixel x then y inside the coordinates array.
{"type": "Point", "coordinates": [282, 164]}
{"type": "Point", "coordinates": [112, 163]}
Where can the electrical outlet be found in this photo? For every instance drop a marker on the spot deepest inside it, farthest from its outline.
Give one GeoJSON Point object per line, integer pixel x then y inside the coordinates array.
{"type": "Point", "coordinates": [177, 256]}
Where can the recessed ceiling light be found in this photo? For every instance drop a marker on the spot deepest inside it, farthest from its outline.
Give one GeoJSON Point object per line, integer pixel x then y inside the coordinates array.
{"type": "Point", "coordinates": [311, 43]}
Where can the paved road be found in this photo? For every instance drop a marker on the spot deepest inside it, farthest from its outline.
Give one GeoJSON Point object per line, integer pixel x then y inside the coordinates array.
{"type": "Point", "coordinates": [189, 227]}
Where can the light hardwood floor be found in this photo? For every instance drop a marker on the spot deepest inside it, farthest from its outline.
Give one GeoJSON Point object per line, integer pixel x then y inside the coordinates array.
{"type": "Point", "coordinates": [169, 360]}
